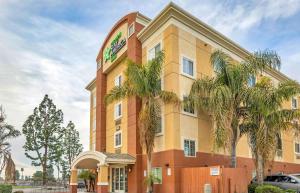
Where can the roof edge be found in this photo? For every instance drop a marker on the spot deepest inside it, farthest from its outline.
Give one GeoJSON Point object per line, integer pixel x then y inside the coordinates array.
{"type": "Point", "coordinates": [241, 52]}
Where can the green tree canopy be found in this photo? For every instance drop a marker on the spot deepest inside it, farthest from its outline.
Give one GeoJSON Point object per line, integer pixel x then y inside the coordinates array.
{"type": "Point", "coordinates": [222, 96]}
{"type": "Point", "coordinates": [266, 119]}
{"type": "Point", "coordinates": [71, 146]}
{"type": "Point", "coordinates": [43, 130]}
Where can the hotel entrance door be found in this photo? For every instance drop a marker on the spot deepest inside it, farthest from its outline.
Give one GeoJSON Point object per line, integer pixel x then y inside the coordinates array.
{"type": "Point", "coordinates": [119, 179]}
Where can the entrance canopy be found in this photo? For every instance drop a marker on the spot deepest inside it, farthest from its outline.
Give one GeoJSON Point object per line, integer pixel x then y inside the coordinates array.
{"type": "Point", "coordinates": [92, 159]}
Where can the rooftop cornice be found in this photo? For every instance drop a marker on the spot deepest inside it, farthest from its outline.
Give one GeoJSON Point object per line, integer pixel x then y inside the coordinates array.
{"type": "Point", "coordinates": [177, 13]}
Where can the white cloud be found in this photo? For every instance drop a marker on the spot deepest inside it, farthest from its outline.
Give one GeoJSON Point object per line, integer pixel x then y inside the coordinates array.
{"type": "Point", "coordinates": [42, 56]}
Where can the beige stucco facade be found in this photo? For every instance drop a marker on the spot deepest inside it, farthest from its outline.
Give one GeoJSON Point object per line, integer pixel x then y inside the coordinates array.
{"type": "Point", "coordinates": [179, 35]}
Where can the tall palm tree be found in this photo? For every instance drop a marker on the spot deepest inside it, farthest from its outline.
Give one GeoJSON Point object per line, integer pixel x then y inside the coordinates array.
{"type": "Point", "coordinates": [144, 82]}
{"type": "Point", "coordinates": [6, 133]}
{"type": "Point", "coordinates": [222, 95]}
{"type": "Point", "coordinates": [266, 119]}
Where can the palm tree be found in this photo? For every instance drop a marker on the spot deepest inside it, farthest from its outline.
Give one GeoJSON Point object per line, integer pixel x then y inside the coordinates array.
{"type": "Point", "coordinates": [6, 133]}
{"type": "Point", "coordinates": [266, 119]}
{"type": "Point", "coordinates": [222, 96]}
{"type": "Point", "coordinates": [144, 81]}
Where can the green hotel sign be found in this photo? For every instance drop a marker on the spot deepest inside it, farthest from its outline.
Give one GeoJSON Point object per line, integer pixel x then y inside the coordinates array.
{"type": "Point", "coordinates": [116, 45]}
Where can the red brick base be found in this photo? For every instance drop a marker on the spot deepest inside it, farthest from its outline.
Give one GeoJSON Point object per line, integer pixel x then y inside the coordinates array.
{"type": "Point", "coordinates": [102, 188]}
{"type": "Point", "coordinates": [73, 188]}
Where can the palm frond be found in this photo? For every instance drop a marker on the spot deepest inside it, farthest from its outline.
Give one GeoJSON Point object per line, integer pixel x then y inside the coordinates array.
{"type": "Point", "coordinates": [261, 60]}
{"type": "Point", "coordinates": [117, 93]}
{"type": "Point", "coordinates": [169, 97]}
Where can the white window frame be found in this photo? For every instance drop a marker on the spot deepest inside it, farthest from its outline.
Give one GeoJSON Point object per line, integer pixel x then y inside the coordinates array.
{"type": "Point", "coordinates": [115, 134]}
{"type": "Point", "coordinates": [162, 122]}
{"type": "Point", "coordinates": [298, 142]}
{"type": "Point", "coordinates": [148, 58]}
{"type": "Point", "coordinates": [153, 47]}
{"type": "Point", "coordinates": [161, 170]}
{"type": "Point", "coordinates": [118, 80]}
{"type": "Point", "coordinates": [190, 139]}
{"type": "Point", "coordinates": [115, 112]}
{"type": "Point", "coordinates": [194, 67]}
{"type": "Point", "coordinates": [294, 98]}
{"type": "Point", "coordinates": [131, 25]}
{"type": "Point", "coordinates": [255, 79]}
{"type": "Point", "coordinates": [188, 113]}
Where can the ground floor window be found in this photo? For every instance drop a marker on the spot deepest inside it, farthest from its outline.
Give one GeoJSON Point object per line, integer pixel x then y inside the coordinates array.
{"type": "Point", "coordinates": [157, 173]}
{"type": "Point", "coordinates": [189, 147]}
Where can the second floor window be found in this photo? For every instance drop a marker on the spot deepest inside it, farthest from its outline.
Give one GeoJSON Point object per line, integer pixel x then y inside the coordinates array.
{"type": "Point", "coordinates": [159, 128]}
{"type": "Point", "coordinates": [294, 103]}
{"type": "Point", "coordinates": [118, 139]}
{"type": "Point", "coordinates": [187, 67]}
{"type": "Point", "coordinates": [189, 147]}
{"type": "Point", "coordinates": [118, 111]}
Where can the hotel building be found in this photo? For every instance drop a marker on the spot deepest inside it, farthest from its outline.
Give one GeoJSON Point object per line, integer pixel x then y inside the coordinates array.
{"type": "Point", "coordinates": [184, 139]}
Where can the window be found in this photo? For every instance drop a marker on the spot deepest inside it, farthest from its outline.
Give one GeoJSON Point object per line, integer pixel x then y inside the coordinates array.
{"type": "Point", "coordinates": [131, 30]}
{"type": "Point", "coordinates": [152, 53]}
{"type": "Point", "coordinates": [159, 128]}
{"type": "Point", "coordinates": [294, 103]}
{"type": "Point", "coordinates": [252, 81]}
{"type": "Point", "coordinates": [189, 148]}
{"type": "Point", "coordinates": [278, 142]}
{"type": "Point", "coordinates": [188, 67]}
{"type": "Point", "coordinates": [297, 147]}
{"type": "Point", "coordinates": [118, 80]}
{"type": "Point", "coordinates": [157, 173]}
{"type": "Point", "coordinates": [118, 139]}
{"type": "Point", "coordinates": [118, 111]}
{"type": "Point", "coordinates": [189, 107]}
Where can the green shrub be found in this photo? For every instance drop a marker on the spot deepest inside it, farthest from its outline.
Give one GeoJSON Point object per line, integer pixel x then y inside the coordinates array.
{"type": "Point", "coordinates": [268, 189]}
{"type": "Point", "coordinates": [5, 188]}
{"type": "Point", "coordinates": [251, 187]}
{"type": "Point", "coordinates": [290, 191]}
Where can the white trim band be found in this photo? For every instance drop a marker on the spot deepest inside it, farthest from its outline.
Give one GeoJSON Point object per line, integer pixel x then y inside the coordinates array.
{"type": "Point", "coordinates": [102, 183]}
{"type": "Point", "coordinates": [73, 184]}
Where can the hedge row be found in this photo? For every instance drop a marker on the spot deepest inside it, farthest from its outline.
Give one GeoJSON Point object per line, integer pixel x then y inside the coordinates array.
{"type": "Point", "coordinates": [254, 188]}
{"type": "Point", "coordinates": [5, 188]}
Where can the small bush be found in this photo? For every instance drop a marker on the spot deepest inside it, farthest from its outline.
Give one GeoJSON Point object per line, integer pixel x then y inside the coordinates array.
{"type": "Point", "coordinates": [5, 188]}
{"type": "Point", "coordinates": [251, 187]}
{"type": "Point", "coordinates": [268, 189]}
{"type": "Point", "coordinates": [290, 191]}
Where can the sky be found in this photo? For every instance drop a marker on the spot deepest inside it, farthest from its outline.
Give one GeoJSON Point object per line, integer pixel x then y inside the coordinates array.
{"type": "Point", "coordinates": [50, 47]}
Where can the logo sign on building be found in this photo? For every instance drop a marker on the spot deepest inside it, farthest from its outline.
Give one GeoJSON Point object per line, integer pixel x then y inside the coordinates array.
{"type": "Point", "coordinates": [215, 171]}
{"type": "Point", "coordinates": [116, 45]}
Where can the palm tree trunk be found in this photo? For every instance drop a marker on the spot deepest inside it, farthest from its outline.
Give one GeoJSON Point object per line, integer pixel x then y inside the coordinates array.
{"type": "Point", "coordinates": [233, 154]}
{"type": "Point", "coordinates": [260, 169]}
{"type": "Point", "coordinates": [149, 167]}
